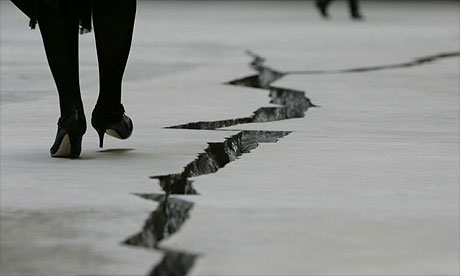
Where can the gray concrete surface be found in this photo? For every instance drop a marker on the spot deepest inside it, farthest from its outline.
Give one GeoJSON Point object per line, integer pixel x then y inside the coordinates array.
{"type": "Point", "coordinates": [368, 184]}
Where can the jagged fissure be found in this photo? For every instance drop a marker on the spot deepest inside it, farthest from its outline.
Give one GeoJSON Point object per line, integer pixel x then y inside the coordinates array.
{"type": "Point", "coordinates": [289, 103]}
{"type": "Point", "coordinates": [174, 263]}
{"type": "Point", "coordinates": [215, 157]}
{"type": "Point", "coordinates": [169, 216]}
{"type": "Point", "coordinates": [172, 212]}
{"type": "Point", "coordinates": [163, 222]}
{"type": "Point", "coordinates": [266, 75]}
{"type": "Point", "coordinates": [292, 104]}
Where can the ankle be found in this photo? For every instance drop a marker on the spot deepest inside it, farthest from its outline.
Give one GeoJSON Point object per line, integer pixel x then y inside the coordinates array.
{"type": "Point", "coordinates": [112, 108]}
{"type": "Point", "coordinates": [102, 116]}
{"type": "Point", "coordinates": [74, 122]}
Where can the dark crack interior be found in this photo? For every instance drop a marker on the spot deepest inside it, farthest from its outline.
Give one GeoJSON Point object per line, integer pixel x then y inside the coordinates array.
{"type": "Point", "coordinates": [176, 184]}
{"type": "Point", "coordinates": [215, 157]}
{"type": "Point", "coordinates": [291, 104]}
{"type": "Point", "coordinates": [174, 263]}
{"type": "Point", "coordinates": [262, 80]}
{"type": "Point", "coordinates": [249, 81]}
{"type": "Point", "coordinates": [294, 101]}
{"type": "Point", "coordinates": [264, 77]}
{"type": "Point", "coordinates": [166, 220]}
{"type": "Point", "coordinates": [415, 62]}
{"type": "Point", "coordinates": [211, 125]}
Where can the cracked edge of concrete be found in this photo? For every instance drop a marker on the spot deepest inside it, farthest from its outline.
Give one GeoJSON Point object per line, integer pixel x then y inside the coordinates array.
{"type": "Point", "coordinates": [216, 156]}
{"type": "Point", "coordinates": [171, 212]}
{"type": "Point", "coordinates": [163, 222]}
{"type": "Point", "coordinates": [290, 103]}
{"type": "Point", "coordinates": [265, 75]}
{"type": "Point", "coordinates": [415, 62]}
{"type": "Point", "coordinates": [174, 263]}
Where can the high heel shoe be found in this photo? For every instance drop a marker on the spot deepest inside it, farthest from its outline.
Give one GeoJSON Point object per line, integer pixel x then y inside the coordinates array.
{"type": "Point", "coordinates": [114, 123]}
{"type": "Point", "coordinates": [69, 135]}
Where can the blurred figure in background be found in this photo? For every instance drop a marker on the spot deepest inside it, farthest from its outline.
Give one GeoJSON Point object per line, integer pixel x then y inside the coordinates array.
{"type": "Point", "coordinates": [353, 5]}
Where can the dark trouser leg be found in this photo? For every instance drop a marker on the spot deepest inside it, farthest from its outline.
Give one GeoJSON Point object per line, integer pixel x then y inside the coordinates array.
{"type": "Point", "coordinates": [113, 26]}
{"type": "Point", "coordinates": [324, 2]}
{"type": "Point", "coordinates": [322, 6]}
{"type": "Point", "coordinates": [354, 8]}
{"type": "Point", "coordinates": [60, 38]}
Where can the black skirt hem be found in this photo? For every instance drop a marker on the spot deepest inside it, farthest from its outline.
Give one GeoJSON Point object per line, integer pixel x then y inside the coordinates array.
{"type": "Point", "coordinates": [79, 9]}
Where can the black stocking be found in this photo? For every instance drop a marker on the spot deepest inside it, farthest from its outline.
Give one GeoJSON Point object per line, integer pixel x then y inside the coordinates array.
{"type": "Point", "coordinates": [113, 26]}
{"type": "Point", "coordinates": [60, 38]}
{"type": "Point", "coordinates": [354, 8]}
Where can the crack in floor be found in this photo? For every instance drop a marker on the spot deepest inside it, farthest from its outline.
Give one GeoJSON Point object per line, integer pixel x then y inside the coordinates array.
{"type": "Point", "coordinates": [216, 156]}
{"type": "Point", "coordinates": [172, 212]}
{"type": "Point", "coordinates": [290, 103]}
{"type": "Point", "coordinates": [416, 62]}
{"type": "Point", "coordinates": [174, 263]}
{"type": "Point", "coordinates": [166, 220]}
{"type": "Point", "coordinates": [265, 75]}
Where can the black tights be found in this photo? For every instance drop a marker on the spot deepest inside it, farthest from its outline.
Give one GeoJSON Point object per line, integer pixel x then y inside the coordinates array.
{"type": "Point", "coordinates": [113, 27]}
{"type": "Point", "coordinates": [352, 4]}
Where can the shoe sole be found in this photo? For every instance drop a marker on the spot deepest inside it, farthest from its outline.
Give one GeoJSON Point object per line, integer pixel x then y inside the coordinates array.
{"type": "Point", "coordinates": [65, 149]}
{"type": "Point", "coordinates": [115, 134]}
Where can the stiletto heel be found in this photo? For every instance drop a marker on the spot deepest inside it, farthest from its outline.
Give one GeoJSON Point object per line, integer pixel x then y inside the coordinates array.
{"type": "Point", "coordinates": [69, 135]}
{"type": "Point", "coordinates": [113, 123]}
{"type": "Point", "coordinates": [101, 133]}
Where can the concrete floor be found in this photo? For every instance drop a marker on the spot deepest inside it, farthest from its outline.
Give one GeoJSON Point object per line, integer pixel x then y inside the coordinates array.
{"type": "Point", "coordinates": [368, 184]}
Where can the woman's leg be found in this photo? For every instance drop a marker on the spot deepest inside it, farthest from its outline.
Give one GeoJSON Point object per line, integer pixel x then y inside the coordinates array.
{"type": "Point", "coordinates": [113, 26]}
{"type": "Point", "coordinates": [60, 38]}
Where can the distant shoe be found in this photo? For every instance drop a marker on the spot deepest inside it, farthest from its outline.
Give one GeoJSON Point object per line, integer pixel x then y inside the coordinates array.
{"type": "Point", "coordinates": [69, 135]}
{"type": "Point", "coordinates": [357, 16]}
{"type": "Point", "coordinates": [114, 123]}
{"type": "Point", "coordinates": [322, 7]}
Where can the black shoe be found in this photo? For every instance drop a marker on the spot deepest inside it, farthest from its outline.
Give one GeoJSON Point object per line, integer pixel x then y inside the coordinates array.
{"type": "Point", "coordinates": [114, 123]}
{"type": "Point", "coordinates": [69, 135]}
{"type": "Point", "coordinates": [322, 6]}
{"type": "Point", "coordinates": [357, 16]}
